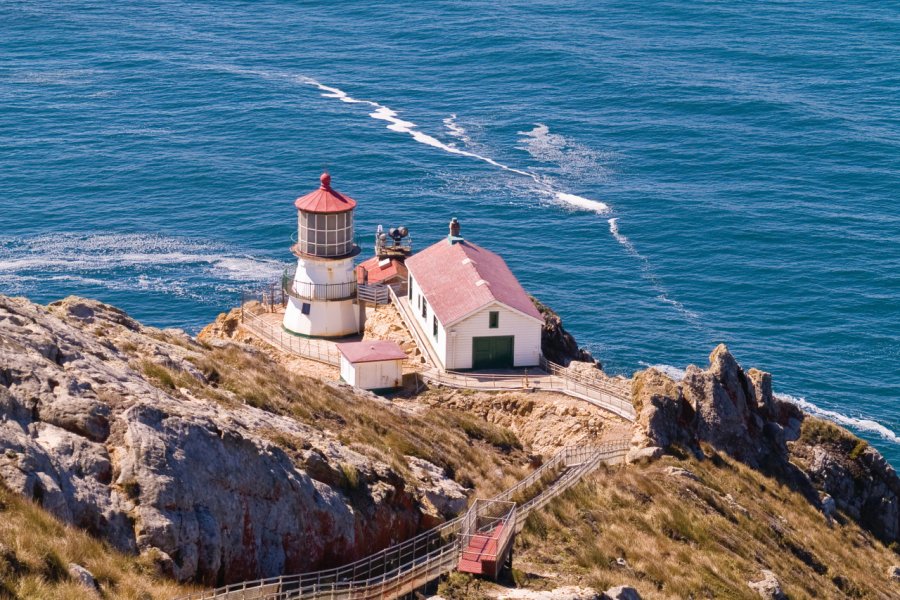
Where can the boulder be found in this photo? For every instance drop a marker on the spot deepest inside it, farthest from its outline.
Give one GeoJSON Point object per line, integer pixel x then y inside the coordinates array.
{"type": "Point", "coordinates": [445, 497]}
{"type": "Point", "coordinates": [894, 573]}
{"type": "Point", "coordinates": [621, 592]}
{"type": "Point", "coordinates": [768, 586]}
{"type": "Point", "coordinates": [661, 412]}
{"type": "Point", "coordinates": [82, 576]}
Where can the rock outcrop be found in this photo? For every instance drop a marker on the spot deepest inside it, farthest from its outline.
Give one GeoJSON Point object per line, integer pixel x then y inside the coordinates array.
{"type": "Point", "coordinates": [557, 344]}
{"type": "Point", "coordinates": [98, 426]}
{"type": "Point", "coordinates": [768, 586]}
{"type": "Point", "coordinates": [735, 412]}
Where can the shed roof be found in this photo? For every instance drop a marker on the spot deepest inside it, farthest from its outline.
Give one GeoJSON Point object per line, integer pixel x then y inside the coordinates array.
{"type": "Point", "coordinates": [325, 199]}
{"type": "Point", "coordinates": [460, 278]}
{"type": "Point", "coordinates": [380, 269]}
{"type": "Point", "coordinates": [371, 351]}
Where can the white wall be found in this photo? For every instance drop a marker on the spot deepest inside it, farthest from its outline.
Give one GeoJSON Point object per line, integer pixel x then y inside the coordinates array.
{"type": "Point", "coordinates": [376, 375]}
{"type": "Point", "coordinates": [438, 344]}
{"type": "Point", "coordinates": [326, 318]}
{"type": "Point", "coordinates": [526, 331]}
{"type": "Point", "coordinates": [455, 350]}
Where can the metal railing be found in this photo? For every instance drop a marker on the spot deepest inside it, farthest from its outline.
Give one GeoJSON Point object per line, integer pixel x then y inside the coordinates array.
{"type": "Point", "coordinates": [317, 350]}
{"type": "Point", "coordinates": [316, 291]}
{"type": "Point", "coordinates": [550, 377]}
{"type": "Point", "coordinates": [405, 567]}
{"type": "Point", "coordinates": [374, 293]}
{"type": "Point", "coordinates": [487, 534]}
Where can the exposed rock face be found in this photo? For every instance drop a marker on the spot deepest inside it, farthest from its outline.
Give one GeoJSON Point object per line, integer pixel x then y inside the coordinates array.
{"type": "Point", "coordinates": [857, 480]}
{"type": "Point", "coordinates": [443, 497]}
{"type": "Point", "coordinates": [736, 412]}
{"type": "Point", "coordinates": [557, 344]}
{"type": "Point", "coordinates": [197, 484]}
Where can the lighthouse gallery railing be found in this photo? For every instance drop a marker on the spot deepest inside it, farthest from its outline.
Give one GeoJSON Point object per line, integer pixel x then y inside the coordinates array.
{"type": "Point", "coordinates": [316, 291]}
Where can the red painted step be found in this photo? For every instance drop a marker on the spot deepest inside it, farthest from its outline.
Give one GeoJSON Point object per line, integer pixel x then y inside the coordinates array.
{"type": "Point", "coordinates": [480, 555]}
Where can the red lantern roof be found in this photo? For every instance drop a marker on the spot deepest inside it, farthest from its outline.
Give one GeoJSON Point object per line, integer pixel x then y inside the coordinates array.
{"type": "Point", "coordinates": [325, 199]}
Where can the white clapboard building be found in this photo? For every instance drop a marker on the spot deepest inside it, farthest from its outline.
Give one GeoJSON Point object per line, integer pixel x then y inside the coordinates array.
{"type": "Point", "coordinates": [372, 364]}
{"type": "Point", "coordinates": [471, 308]}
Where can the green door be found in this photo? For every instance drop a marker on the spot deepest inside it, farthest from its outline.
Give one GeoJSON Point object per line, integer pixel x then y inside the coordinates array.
{"type": "Point", "coordinates": [495, 352]}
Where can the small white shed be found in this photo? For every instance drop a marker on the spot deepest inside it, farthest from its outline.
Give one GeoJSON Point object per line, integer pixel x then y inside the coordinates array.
{"type": "Point", "coordinates": [372, 364]}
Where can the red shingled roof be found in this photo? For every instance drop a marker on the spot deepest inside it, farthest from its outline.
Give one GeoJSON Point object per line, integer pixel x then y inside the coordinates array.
{"type": "Point", "coordinates": [458, 279]}
{"type": "Point", "coordinates": [377, 273]}
{"type": "Point", "coordinates": [325, 199]}
{"type": "Point", "coordinates": [371, 351]}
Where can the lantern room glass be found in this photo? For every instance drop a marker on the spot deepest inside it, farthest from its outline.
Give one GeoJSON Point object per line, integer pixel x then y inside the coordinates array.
{"type": "Point", "coordinates": [326, 235]}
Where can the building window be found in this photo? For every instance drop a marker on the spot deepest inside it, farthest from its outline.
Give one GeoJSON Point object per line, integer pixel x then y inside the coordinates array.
{"type": "Point", "coordinates": [424, 308]}
{"type": "Point", "coordinates": [304, 308]}
{"type": "Point", "coordinates": [410, 284]}
{"type": "Point", "coordinates": [434, 326]}
{"type": "Point", "coordinates": [494, 319]}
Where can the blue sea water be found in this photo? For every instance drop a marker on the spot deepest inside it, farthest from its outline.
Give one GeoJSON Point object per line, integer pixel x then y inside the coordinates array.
{"type": "Point", "coordinates": [666, 174]}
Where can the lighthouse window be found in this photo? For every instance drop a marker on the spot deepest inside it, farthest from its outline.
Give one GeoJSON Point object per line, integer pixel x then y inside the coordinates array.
{"type": "Point", "coordinates": [305, 308]}
{"type": "Point", "coordinates": [493, 319]}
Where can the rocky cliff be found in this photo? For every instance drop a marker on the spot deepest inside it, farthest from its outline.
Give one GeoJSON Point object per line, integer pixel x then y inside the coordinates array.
{"type": "Point", "coordinates": [557, 344]}
{"type": "Point", "coordinates": [190, 454]}
{"type": "Point", "coordinates": [734, 411]}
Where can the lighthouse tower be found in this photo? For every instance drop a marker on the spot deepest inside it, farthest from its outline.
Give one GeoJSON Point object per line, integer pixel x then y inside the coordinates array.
{"type": "Point", "coordinates": [321, 292]}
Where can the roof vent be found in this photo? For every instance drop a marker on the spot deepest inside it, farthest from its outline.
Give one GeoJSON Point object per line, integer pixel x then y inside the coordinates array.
{"type": "Point", "coordinates": [481, 282]}
{"type": "Point", "coordinates": [467, 261]}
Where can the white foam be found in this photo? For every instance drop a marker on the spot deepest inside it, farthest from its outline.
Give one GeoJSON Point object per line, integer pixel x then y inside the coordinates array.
{"type": "Point", "coordinates": [585, 203]}
{"type": "Point", "coordinates": [396, 124]}
{"type": "Point", "coordinates": [457, 130]}
{"type": "Point", "coordinates": [650, 275]}
{"type": "Point", "coordinates": [860, 423]}
{"type": "Point", "coordinates": [673, 372]}
{"type": "Point", "coordinates": [569, 156]}
{"type": "Point", "coordinates": [124, 262]}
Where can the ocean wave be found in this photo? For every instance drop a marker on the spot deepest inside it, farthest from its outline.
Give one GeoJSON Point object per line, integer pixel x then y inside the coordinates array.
{"type": "Point", "coordinates": [858, 423]}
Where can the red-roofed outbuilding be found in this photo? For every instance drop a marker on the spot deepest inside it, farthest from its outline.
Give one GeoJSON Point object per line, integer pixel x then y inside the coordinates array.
{"type": "Point", "coordinates": [372, 364]}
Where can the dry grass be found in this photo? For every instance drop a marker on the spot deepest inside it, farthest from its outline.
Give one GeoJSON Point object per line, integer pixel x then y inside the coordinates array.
{"type": "Point", "coordinates": [474, 452]}
{"type": "Point", "coordinates": [681, 538]}
{"type": "Point", "coordinates": [37, 549]}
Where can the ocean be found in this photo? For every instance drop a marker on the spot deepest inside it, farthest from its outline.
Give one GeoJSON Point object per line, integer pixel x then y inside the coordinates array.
{"type": "Point", "coordinates": [666, 175]}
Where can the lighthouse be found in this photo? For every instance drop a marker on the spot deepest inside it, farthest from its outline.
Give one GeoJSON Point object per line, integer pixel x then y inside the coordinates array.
{"type": "Point", "coordinates": [321, 290]}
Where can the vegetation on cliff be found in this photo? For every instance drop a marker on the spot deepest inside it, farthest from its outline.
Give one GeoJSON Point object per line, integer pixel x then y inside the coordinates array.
{"type": "Point", "coordinates": [685, 527]}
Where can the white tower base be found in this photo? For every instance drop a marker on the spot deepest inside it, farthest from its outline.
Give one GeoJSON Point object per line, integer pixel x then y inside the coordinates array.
{"type": "Point", "coordinates": [325, 318]}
